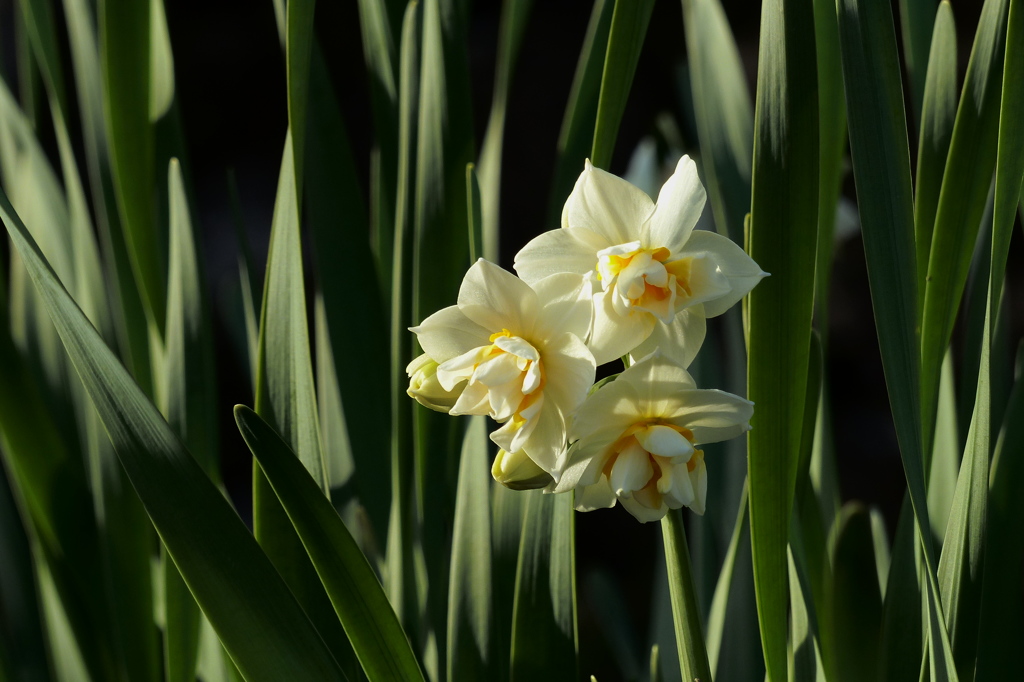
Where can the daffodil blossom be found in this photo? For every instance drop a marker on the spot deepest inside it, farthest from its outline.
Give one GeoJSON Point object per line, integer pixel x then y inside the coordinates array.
{"type": "Point", "coordinates": [656, 278]}
{"type": "Point", "coordinates": [638, 437]}
{"type": "Point", "coordinates": [517, 353]}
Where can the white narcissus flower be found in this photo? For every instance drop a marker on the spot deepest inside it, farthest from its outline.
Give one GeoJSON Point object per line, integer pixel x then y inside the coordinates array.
{"type": "Point", "coordinates": [518, 353]}
{"type": "Point", "coordinates": [637, 440]}
{"type": "Point", "coordinates": [658, 277]}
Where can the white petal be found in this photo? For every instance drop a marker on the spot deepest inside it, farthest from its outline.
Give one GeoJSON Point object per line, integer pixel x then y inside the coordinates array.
{"type": "Point", "coordinates": [682, 493]}
{"type": "Point", "coordinates": [519, 347]}
{"type": "Point", "coordinates": [665, 441]}
{"type": "Point", "coordinates": [570, 250]}
{"type": "Point", "coordinates": [742, 272]}
{"type": "Point", "coordinates": [496, 299]}
{"type": "Point", "coordinates": [705, 281]}
{"type": "Point", "coordinates": [596, 496]}
{"type": "Point", "coordinates": [610, 410]}
{"type": "Point", "coordinates": [497, 370]}
{"type": "Point", "coordinates": [711, 415]}
{"type": "Point", "coordinates": [679, 341]}
{"type": "Point", "coordinates": [546, 441]}
{"type": "Point", "coordinates": [657, 381]}
{"type": "Point", "coordinates": [448, 333]}
{"type": "Point", "coordinates": [472, 400]}
{"type": "Point", "coordinates": [615, 334]}
{"type": "Point", "coordinates": [680, 203]}
{"type": "Point", "coordinates": [458, 368]}
{"type": "Point", "coordinates": [631, 470]}
{"type": "Point", "coordinates": [585, 462]}
{"type": "Point", "coordinates": [565, 306]}
{"type": "Point", "coordinates": [608, 205]}
{"type": "Point", "coordinates": [642, 513]}
{"type": "Point", "coordinates": [570, 371]}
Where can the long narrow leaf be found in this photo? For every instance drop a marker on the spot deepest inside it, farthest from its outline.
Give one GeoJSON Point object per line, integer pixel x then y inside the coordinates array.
{"type": "Point", "coordinates": [724, 113]}
{"type": "Point", "coordinates": [470, 615]}
{"type": "Point", "coordinates": [783, 240]}
{"type": "Point", "coordinates": [261, 624]}
{"type": "Point", "coordinates": [965, 186]}
{"type": "Point", "coordinates": [544, 621]}
{"type": "Point", "coordinates": [625, 39]}
{"type": "Point", "coordinates": [357, 596]}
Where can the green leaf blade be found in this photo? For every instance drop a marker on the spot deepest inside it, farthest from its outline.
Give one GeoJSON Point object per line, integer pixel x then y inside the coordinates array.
{"type": "Point", "coordinates": [357, 596]}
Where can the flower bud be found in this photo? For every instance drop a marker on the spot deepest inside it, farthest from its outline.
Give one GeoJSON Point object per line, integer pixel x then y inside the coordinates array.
{"type": "Point", "coordinates": [426, 389]}
{"type": "Point", "coordinates": [517, 471]}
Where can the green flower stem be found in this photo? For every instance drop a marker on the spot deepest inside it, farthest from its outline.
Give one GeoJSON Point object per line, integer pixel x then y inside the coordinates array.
{"type": "Point", "coordinates": [693, 655]}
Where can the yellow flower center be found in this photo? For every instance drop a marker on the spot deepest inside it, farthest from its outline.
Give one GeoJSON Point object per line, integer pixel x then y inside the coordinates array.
{"type": "Point", "coordinates": [650, 463]}
{"type": "Point", "coordinates": [645, 279]}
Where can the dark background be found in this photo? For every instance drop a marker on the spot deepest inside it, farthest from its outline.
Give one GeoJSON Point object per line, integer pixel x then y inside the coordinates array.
{"type": "Point", "coordinates": [230, 84]}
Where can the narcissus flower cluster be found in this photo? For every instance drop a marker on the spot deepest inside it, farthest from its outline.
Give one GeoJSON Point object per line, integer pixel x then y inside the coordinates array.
{"type": "Point", "coordinates": [624, 277]}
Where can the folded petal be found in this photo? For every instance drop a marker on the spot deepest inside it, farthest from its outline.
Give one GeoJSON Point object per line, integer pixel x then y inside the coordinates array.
{"type": "Point", "coordinates": [616, 332]}
{"type": "Point", "coordinates": [565, 306]}
{"type": "Point", "coordinates": [665, 441]}
{"type": "Point", "coordinates": [680, 203]}
{"type": "Point", "coordinates": [631, 470]}
{"type": "Point", "coordinates": [496, 299]}
{"type": "Point", "coordinates": [596, 496]}
{"type": "Point", "coordinates": [679, 341]}
{"type": "Point", "coordinates": [448, 333]}
{"type": "Point", "coordinates": [570, 372]}
{"type": "Point", "coordinates": [711, 415]}
{"type": "Point", "coordinates": [608, 205]}
{"type": "Point", "coordinates": [572, 249]}
{"type": "Point", "coordinates": [731, 261]}
{"type": "Point", "coordinates": [657, 381]}
{"type": "Point", "coordinates": [643, 513]}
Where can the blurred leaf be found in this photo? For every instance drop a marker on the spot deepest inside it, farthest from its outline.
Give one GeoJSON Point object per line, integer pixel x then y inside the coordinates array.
{"type": "Point", "coordinates": [514, 14]}
{"type": "Point", "coordinates": [286, 398]}
{"type": "Point", "coordinates": [724, 113]}
{"type": "Point", "coordinates": [126, 304]}
{"type": "Point", "coordinates": [961, 567]}
{"type": "Point", "coordinates": [577, 133]}
{"type": "Point", "coordinates": [400, 581]}
{"type": "Point", "coordinates": [508, 509]}
{"type": "Point", "coordinates": [625, 40]}
{"type": "Point", "coordinates": [965, 186]}
{"type": "Point", "coordinates": [298, 48]}
{"type": "Point", "coordinates": [334, 426]}
{"type": "Point", "coordinates": [945, 459]}
{"type": "Point", "coordinates": [655, 668]}
{"type": "Point", "coordinates": [22, 647]}
{"type": "Point", "coordinates": [444, 145]}
{"type": "Point", "coordinates": [161, 63]}
{"type": "Point", "coordinates": [832, 147]}
{"type": "Point", "coordinates": [719, 604]}
{"type": "Point", "coordinates": [261, 624]}
{"type": "Point", "coordinates": [916, 17]}
{"type": "Point", "coordinates": [783, 238]}
{"type": "Point", "coordinates": [125, 59]}
{"type": "Point", "coordinates": [605, 596]}
{"type": "Point", "coordinates": [805, 654]}
{"type": "Point", "coordinates": [470, 616]}
{"type": "Point", "coordinates": [476, 238]}
{"type": "Point", "coordinates": [544, 644]}
{"type": "Point", "coordinates": [693, 656]}
{"type": "Point", "coordinates": [188, 404]}
{"type": "Point", "coordinates": [357, 596]}
{"type": "Point", "coordinates": [1001, 622]}
{"type": "Point", "coordinates": [856, 600]}
{"type": "Point", "coordinates": [881, 164]}
{"type": "Point", "coordinates": [337, 218]}
{"type": "Point", "coordinates": [380, 22]}
{"type": "Point", "coordinates": [901, 644]}
{"type": "Point", "coordinates": [936, 120]}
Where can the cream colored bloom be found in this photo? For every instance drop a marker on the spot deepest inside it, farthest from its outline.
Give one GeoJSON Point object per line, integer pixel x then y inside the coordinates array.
{"type": "Point", "coordinates": [517, 353]}
{"type": "Point", "coordinates": [425, 388]}
{"type": "Point", "coordinates": [657, 278]}
{"type": "Point", "coordinates": [638, 437]}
